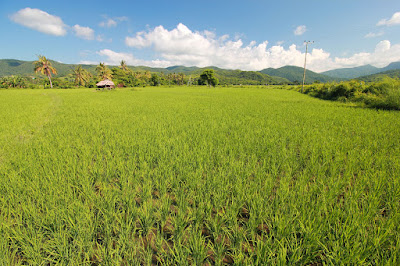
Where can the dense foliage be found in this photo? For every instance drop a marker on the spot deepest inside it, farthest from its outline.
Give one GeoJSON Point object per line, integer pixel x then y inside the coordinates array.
{"type": "Point", "coordinates": [81, 76]}
{"type": "Point", "coordinates": [189, 175]}
{"type": "Point", "coordinates": [13, 82]}
{"type": "Point", "coordinates": [192, 74]}
{"type": "Point", "coordinates": [208, 78]}
{"type": "Point", "coordinates": [382, 94]}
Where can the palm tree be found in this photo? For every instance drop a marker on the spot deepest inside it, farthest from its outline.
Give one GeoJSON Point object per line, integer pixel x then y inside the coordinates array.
{"type": "Point", "coordinates": [103, 72]}
{"type": "Point", "coordinates": [123, 65]}
{"type": "Point", "coordinates": [181, 78]}
{"type": "Point", "coordinates": [81, 76]}
{"type": "Point", "coordinates": [43, 65]}
{"type": "Point", "coordinates": [147, 74]}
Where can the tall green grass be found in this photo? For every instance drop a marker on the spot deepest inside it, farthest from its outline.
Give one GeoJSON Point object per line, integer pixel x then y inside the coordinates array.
{"type": "Point", "coordinates": [196, 176]}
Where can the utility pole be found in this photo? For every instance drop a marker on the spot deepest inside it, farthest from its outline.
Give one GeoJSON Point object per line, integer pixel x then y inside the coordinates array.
{"type": "Point", "coordinates": [305, 62]}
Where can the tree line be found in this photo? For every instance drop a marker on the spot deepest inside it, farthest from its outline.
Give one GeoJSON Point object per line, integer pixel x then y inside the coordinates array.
{"type": "Point", "coordinates": [122, 76]}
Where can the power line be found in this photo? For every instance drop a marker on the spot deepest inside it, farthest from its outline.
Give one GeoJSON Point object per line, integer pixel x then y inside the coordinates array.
{"type": "Point", "coordinates": [305, 62]}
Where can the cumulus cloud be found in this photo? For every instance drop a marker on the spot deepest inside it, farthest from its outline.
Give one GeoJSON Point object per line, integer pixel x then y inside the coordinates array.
{"type": "Point", "coordinates": [115, 58]}
{"type": "Point", "coordinates": [383, 54]}
{"type": "Point", "coordinates": [394, 20]}
{"type": "Point", "coordinates": [83, 32]}
{"type": "Point", "coordinates": [39, 20]}
{"type": "Point", "coordinates": [374, 34]}
{"type": "Point", "coordinates": [300, 30]}
{"type": "Point", "coordinates": [182, 46]}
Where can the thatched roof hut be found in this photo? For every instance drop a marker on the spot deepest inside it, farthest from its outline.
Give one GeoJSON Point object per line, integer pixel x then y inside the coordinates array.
{"type": "Point", "coordinates": [105, 84]}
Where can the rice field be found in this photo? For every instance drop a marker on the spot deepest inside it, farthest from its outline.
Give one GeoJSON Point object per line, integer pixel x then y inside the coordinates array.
{"type": "Point", "coordinates": [196, 176]}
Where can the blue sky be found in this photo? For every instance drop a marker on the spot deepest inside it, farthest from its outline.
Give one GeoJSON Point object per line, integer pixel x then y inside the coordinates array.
{"type": "Point", "coordinates": [248, 35]}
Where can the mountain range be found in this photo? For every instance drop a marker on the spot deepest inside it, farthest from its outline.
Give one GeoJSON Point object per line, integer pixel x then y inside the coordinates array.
{"type": "Point", "coordinates": [282, 75]}
{"type": "Point", "coordinates": [356, 72]}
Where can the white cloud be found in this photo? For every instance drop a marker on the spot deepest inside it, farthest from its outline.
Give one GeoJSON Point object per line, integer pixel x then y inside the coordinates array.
{"type": "Point", "coordinates": [112, 22]}
{"type": "Point", "coordinates": [123, 18]}
{"type": "Point", "coordinates": [39, 20]}
{"type": "Point", "coordinates": [101, 38]}
{"type": "Point", "coordinates": [83, 32]}
{"type": "Point", "coordinates": [374, 34]}
{"type": "Point", "coordinates": [88, 62]}
{"type": "Point", "coordinates": [394, 20]}
{"type": "Point", "coordinates": [383, 54]}
{"type": "Point", "coordinates": [300, 30]}
{"type": "Point", "coordinates": [181, 46]}
{"type": "Point", "coordinates": [115, 58]}
{"type": "Point", "coordinates": [108, 23]}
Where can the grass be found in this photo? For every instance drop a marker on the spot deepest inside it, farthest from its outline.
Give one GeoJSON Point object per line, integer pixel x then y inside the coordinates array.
{"type": "Point", "coordinates": [196, 176]}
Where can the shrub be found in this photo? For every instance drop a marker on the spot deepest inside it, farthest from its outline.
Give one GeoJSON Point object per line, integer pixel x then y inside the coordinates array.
{"type": "Point", "coordinates": [383, 94]}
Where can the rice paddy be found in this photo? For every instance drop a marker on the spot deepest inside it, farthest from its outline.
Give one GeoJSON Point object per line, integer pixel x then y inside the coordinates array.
{"type": "Point", "coordinates": [196, 176]}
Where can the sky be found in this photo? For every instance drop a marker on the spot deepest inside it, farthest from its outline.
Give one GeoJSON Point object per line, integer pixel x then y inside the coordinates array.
{"type": "Point", "coordinates": [231, 34]}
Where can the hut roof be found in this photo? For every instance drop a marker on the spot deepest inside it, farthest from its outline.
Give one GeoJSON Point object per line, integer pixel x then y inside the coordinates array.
{"type": "Point", "coordinates": [105, 82]}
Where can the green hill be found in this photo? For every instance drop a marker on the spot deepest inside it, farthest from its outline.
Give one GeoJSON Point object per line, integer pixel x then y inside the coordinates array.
{"type": "Point", "coordinates": [181, 69]}
{"type": "Point", "coordinates": [247, 77]}
{"type": "Point", "coordinates": [361, 71]}
{"type": "Point", "coordinates": [295, 74]}
{"type": "Point", "coordinates": [349, 73]}
{"type": "Point", "coordinates": [391, 66]}
{"type": "Point", "coordinates": [10, 67]}
{"type": "Point", "coordinates": [376, 77]}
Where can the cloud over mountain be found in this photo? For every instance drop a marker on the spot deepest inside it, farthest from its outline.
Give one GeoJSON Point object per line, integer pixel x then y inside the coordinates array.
{"type": "Point", "coordinates": [182, 46]}
{"type": "Point", "coordinates": [115, 58]}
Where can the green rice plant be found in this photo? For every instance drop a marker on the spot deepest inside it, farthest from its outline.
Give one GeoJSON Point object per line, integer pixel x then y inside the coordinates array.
{"type": "Point", "coordinates": [185, 175]}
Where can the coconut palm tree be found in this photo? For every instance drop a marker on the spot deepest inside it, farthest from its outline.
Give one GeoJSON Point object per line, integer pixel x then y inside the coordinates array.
{"type": "Point", "coordinates": [81, 76]}
{"type": "Point", "coordinates": [43, 65]}
{"type": "Point", "coordinates": [123, 65]}
{"type": "Point", "coordinates": [103, 72]}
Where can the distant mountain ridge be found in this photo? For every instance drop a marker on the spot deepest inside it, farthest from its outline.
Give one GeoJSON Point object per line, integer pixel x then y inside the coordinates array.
{"type": "Point", "coordinates": [391, 66]}
{"type": "Point", "coordinates": [395, 73]}
{"type": "Point", "coordinates": [10, 67]}
{"type": "Point", "coordinates": [295, 74]}
{"type": "Point", "coordinates": [349, 73]}
{"type": "Point", "coordinates": [356, 72]}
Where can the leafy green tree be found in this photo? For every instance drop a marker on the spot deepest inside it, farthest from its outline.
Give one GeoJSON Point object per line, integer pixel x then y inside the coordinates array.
{"type": "Point", "coordinates": [208, 77]}
{"type": "Point", "coordinates": [125, 78]}
{"type": "Point", "coordinates": [81, 76]}
{"type": "Point", "coordinates": [43, 65]}
{"type": "Point", "coordinates": [155, 80]}
{"type": "Point", "coordinates": [103, 72]}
